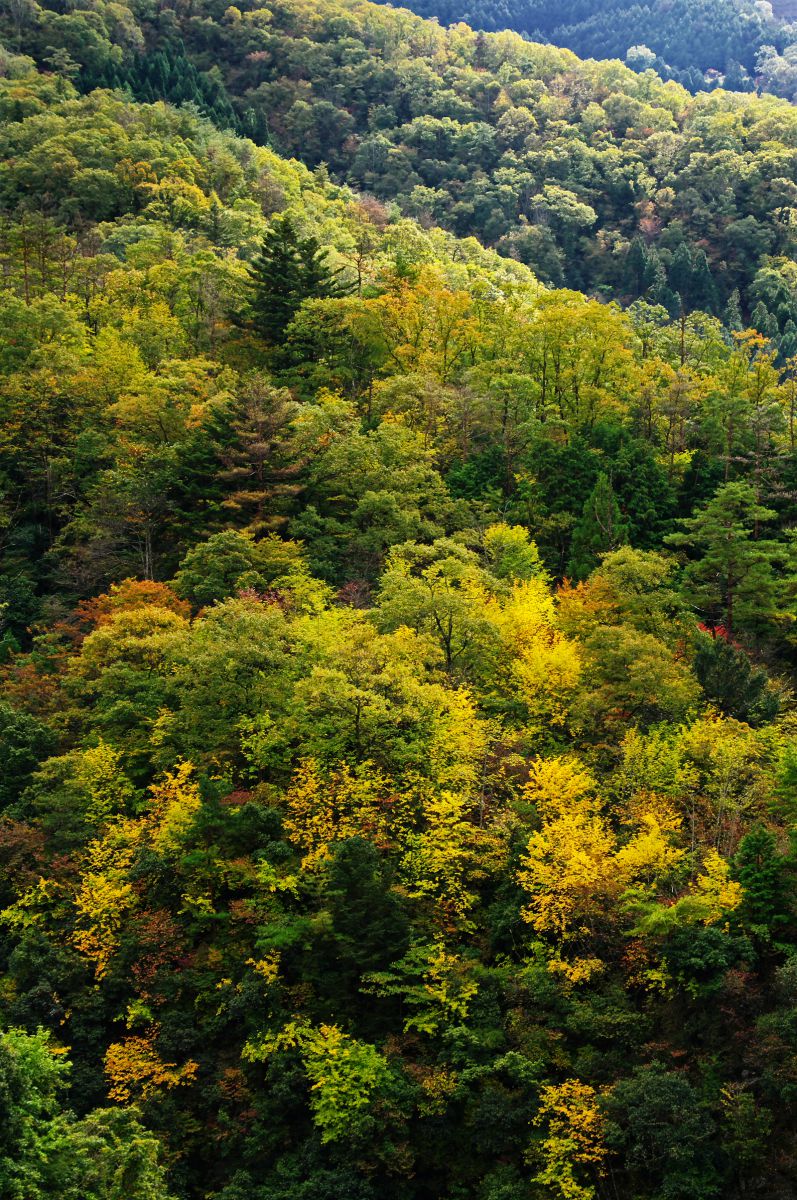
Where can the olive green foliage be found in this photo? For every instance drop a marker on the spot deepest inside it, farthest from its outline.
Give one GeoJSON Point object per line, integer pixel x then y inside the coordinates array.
{"type": "Point", "coordinates": [399, 763]}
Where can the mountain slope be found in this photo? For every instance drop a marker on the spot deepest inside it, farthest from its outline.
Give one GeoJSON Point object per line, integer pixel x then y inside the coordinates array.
{"type": "Point", "coordinates": [696, 42]}
{"type": "Point", "coordinates": [397, 745]}
{"type": "Point", "coordinates": [594, 176]}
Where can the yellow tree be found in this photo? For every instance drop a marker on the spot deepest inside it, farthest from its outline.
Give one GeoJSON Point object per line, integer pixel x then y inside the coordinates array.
{"type": "Point", "coordinates": [173, 805]}
{"type": "Point", "coordinates": [136, 1071]}
{"type": "Point", "coordinates": [573, 1148]}
{"type": "Point", "coordinates": [536, 661]}
{"type": "Point", "coordinates": [427, 326]}
{"type": "Point", "coordinates": [445, 862]}
{"type": "Point", "coordinates": [579, 352]}
{"type": "Point", "coordinates": [574, 870]}
{"type": "Point", "coordinates": [324, 808]}
{"type": "Point", "coordinates": [105, 898]}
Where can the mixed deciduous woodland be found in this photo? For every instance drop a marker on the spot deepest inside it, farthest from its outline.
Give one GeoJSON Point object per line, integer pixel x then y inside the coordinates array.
{"type": "Point", "coordinates": [702, 44]}
{"type": "Point", "coordinates": [398, 582]}
{"type": "Point", "coordinates": [596, 177]}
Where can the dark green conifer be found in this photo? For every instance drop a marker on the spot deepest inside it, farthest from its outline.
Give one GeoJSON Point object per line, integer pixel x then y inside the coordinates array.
{"type": "Point", "coordinates": [637, 272]}
{"type": "Point", "coordinates": [600, 529]}
{"type": "Point", "coordinates": [732, 316]}
{"type": "Point", "coordinates": [702, 289]}
{"type": "Point", "coordinates": [679, 275]}
{"type": "Point", "coordinates": [288, 270]}
{"type": "Point", "coordinates": [763, 320]}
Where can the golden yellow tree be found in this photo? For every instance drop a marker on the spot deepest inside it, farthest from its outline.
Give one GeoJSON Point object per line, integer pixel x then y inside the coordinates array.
{"type": "Point", "coordinates": [574, 870]}
{"type": "Point", "coordinates": [573, 1147]}
{"type": "Point", "coordinates": [136, 1070]}
{"type": "Point", "coordinates": [105, 897]}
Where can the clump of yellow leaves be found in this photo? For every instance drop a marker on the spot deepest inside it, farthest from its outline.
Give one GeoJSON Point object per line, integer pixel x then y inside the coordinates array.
{"type": "Point", "coordinates": [99, 775]}
{"type": "Point", "coordinates": [575, 871]}
{"type": "Point", "coordinates": [574, 1142]}
{"type": "Point", "coordinates": [437, 1087]}
{"type": "Point", "coordinates": [105, 898]}
{"type": "Point", "coordinates": [136, 1071]}
{"type": "Point", "coordinates": [545, 664]}
{"type": "Point", "coordinates": [173, 806]}
{"type": "Point", "coordinates": [716, 894]}
{"type": "Point", "coordinates": [326, 808]}
{"type": "Point", "coordinates": [448, 857]}
{"type": "Point", "coordinates": [266, 968]}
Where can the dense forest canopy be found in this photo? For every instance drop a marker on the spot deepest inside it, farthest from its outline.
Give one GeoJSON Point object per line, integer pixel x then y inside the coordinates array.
{"type": "Point", "coordinates": [596, 177]}
{"type": "Point", "coordinates": [397, 647]}
{"type": "Point", "coordinates": [702, 44]}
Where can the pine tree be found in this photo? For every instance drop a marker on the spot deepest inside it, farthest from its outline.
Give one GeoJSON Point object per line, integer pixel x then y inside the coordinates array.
{"type": "Point", "coordinates": [763, 321]}
{"type": "Point", "coordinates": [702, 289]}
{"type": "Point", "coordinates": [736, 78]}
{"type": "Point", "coordinates": [732, 683]}
{"type": "Point", "coordinates": [260, 473]}
{"type": "Point", "coordinates": [288, 270]}
{"type": "Point", "coordinates": [660, 292]}
{"type": "Point", "coordinates": [767, 879]}
{"type": "Point", "coordinates": [680, 274]}
{"type": "Point", "coordinates": [788, 341]}
{"type": "Point", "coordinates": [636, 268]}
{"type": "Point", "coordinates": [731, 578]}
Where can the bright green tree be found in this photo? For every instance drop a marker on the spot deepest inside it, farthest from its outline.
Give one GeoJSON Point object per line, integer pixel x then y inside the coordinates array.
{"type": "Point", "coordinates": [46, 1153]}
{"type": "Point", "coordinates": [730, 577]}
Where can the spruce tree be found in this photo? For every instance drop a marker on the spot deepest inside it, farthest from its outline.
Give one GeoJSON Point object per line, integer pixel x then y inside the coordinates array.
{"type": "Point", "coordinates": [256, 453]}
{"type": "Point", "coordinates": [767, 877]}
{"type": "Point", "coordinates": [636, 268]}
{"type": "Point", "coordinates": [763, 320]}
{"type": "Point", "coordinates": [787, 345]}
{"type": "Point", "coordinates": [679, 275]}
{"type": "Point", "coordinates": [703, 290]}
{"type": "Point", "coordinates": [600, 529]}
{"type": "Point", "coordinates": [732, 316]}
{"type": "Point", "coordinates": [288, 270]}
{"type": "Point", "coordinates": [732, 683]}
{"type": "Point", "coordinates": [660, 292]}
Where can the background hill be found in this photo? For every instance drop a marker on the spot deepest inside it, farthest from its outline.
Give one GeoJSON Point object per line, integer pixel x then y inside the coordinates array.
{"type": "Point", "coordinates": [592, 175]}
{"type": "Point", "coordinates": [699, 43]}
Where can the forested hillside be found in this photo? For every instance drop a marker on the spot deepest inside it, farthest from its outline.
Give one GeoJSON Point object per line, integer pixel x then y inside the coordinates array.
{"type": "Point", "coordinates": [398, 743]}
{"type": "Point", "coordinates": [595, 177]}
{"type": "Point", "coordinates": [699, 43]}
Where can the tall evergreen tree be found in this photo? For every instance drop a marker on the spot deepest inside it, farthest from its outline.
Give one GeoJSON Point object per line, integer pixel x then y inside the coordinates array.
{"type": "Point", "coordinates": [637, 273]}
{"type": "Point", "coordinates": [660, 291]}
{"type": "Point", "coordinates": [288, 270]}
{"type": "Point", "coordinates": [731, 577]}
{"type": "Point", "coordinates": [767, 877]}
{"type": "Point", "coordinates": [702, 289]}
{"type": "Point", "coordinates": [679, 275]}
{"type": "Point", "coordinates": [600, 529]}
{"type": "Point", "coordinates": [788, 341]}
{"type": "Point", "coordinates": [732, 316]}
{"type": "Point", "coordinates": [763, 320]}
